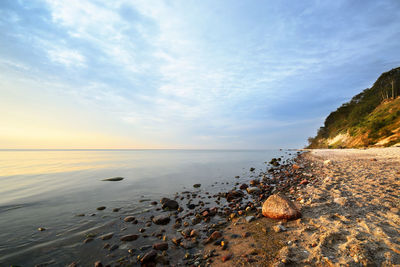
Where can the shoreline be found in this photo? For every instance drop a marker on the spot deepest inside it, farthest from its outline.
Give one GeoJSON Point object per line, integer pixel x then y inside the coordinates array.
{"type": "Point", "coordinates": [350, 215]}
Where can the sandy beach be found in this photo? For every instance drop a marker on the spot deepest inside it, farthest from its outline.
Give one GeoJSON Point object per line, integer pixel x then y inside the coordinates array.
{"type": "Point", "coordinates": [350, 215]}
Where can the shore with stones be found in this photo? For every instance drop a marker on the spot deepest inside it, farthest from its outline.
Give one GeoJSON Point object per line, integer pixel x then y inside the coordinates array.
{"type": "Point", "coordinates": [350, 202]}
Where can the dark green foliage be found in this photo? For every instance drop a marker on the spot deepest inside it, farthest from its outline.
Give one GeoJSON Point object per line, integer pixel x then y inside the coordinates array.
{"type": "Point", "coordinates": [352, 116]}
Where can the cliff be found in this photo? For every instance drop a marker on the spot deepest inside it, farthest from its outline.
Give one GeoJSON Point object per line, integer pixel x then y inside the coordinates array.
{"type": "Point", "coordinates": [371, 118]}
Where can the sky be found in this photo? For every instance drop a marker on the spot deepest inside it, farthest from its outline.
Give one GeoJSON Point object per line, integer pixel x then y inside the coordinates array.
{"type": "Point", "coordinates": [185, 74]}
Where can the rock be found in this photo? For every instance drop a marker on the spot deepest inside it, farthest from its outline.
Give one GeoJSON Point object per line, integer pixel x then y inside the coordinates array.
{"type": "Point", "coordinates": [163, 200]}
{"type": "Point", "coordinates": [87, 240]}
{"type": "Point", "coordinates": [340, 200]}
{"type": "Point", "coordinates": [101, 208]}
{"type": "Point", "coordinates": [196, 185]}
{"type": "Point", "coordinates": [237, 176]}
{"type": "Point", "coordinates": [160, 246]}
{"type": "Point", "coordinates": [254, 182]}
{"type": "Point", "coordinates": [98, 264]}
{"type": "Point", "coordinates": [327, 162]}
{"type": "Point", "coordinates": [253, 190]}
{"type": "Point", "coordinates": [128, 238]}
{"type": "Point", "coordinates": [161, 219]}
{"type": "Point", "coordinates": [41, 229]}
{"type": "Point", "coordinates": [280, 207]}
{"type": "Point", "coordinates": [186, 244]}
{"type": "Point", "coordinates": [176, 241]}
{"type": "Point", "coordinates": [226, 257]}
{"type": "Point", "coordinates": [149, 256]}
{"type": "Point", "coordinates": [154, 203]}
{"type": "Point", "coordinates": [194, 233]}
{"type": "Point", "coordinates": [113, 247]}
{"type": "Point", "coordinates": [215, 235]}
{"type": "Point", "coordinates": [170, 204]}
{"type": "Point", "coordinates": [234, 194]}
{"type": "Point", "coordinates": [129, 218]}
{"type": "Point", "coordinates": [295, 167]}
{"type": "Point", "coordinates": [304, 182]}
{"type": "Point", "coordinates": [252, 169]}
{"type": "Point", "coordinates": [191, 206]}
{"type": "Point", "coordinates": [250, 218]}
{"type": "Point", "coordinates": [106, 236]}
{"type": "Point", "coordinates": [186, 232]}
{"type": "Point", "coordinates": [279, 228]}
{"type": "Point", "coordinates": [74, 264]}
{"type": "Point", "coordinates": [243, 186]}
{"type": "Point", "coordinates": [114, 179]}
{"type": "Point", "coordinates": [116, 209]}
{"type": "Point", "coordinates": [246, 234]}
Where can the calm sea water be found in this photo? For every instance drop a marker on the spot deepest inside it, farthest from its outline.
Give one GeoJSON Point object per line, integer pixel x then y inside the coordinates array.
{"type": "Point", "coordinates": [49, 188]}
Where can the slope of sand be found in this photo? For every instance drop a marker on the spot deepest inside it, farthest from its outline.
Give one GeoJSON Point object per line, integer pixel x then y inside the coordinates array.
{"type": "Point", "coordinates": [350, 215]}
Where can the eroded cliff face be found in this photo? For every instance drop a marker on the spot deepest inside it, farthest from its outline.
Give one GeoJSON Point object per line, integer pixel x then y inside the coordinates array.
{"type": "Point", "coordinates": [371, 118]}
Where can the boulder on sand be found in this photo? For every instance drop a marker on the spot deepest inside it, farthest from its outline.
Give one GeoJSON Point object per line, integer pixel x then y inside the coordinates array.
{"type": "Point", "coordinates": [280, 207]}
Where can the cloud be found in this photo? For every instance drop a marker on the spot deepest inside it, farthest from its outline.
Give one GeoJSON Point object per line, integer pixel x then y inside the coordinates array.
{"type": "Point", "coordinates": [67, 57]}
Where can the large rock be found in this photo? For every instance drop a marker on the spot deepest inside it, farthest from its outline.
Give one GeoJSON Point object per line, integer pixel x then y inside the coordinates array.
{"type": "Point", "coordinates": [280, 207]}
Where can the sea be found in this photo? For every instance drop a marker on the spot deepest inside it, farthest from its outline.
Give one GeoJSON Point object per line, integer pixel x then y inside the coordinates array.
{"type": "Point", "coordinates": [60, 191]}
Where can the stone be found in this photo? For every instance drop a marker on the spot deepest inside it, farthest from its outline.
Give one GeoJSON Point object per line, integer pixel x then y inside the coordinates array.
{"type": "Point", "coordinates": [98, 264]}
{"type": "Point", "coordinates": [196, 185]}
{"type": "Point", "coordinates": [243, 186]}
{"type": "Point", "coordinates": [234, 194]}
{"type": "Point", "coordinates": [128, 238]}
{"type": "Point", "coordinates": [250, 218]}
{"type": "Point", "coordinates": [342, 201]}
{"type": "Point", "coordinates": [113, 179]}
{"type": "Point", "coordinates": [116, 209]}
{"type": "Point", "coordinates": [226, 257]}
{"type": "Point", "coordinates": [186, 244]}
{"type": "Point", "coordinates": [253, 190]}
{"type": "Point", "coordinates": [279, 228]}
{"type": "Point", "coordinates": [280, 207]}
{"type": "Point", "coordinates": [113, 247]}
{"type": "Point", "coordinates": [41, 229]}
{"type": "Point", "coordinates": [176, 241]}
{"type": "Point", "coordinates": [161, 219]}
{"type": "Point", "coordinates": [149, 256]}
{"type": "Point", "coordinates": [252, 169]}
{"type": "Point", "coordinates": [129, 218]}
{"type": "Point", "coordinates": [160, 246]}
{"type": "Point", "coordinates": [304, 182]}
{"type": "Point", "coordinates": [170, 204]}
{"type": "Point", "coordinates": [101, 208]}
{"type": "Point", "coordinates": [106, 236]}
{"type": "Point", "coordinates": [87, 240]}
{"type": "Point", "coordinates": [163, 200]}
{"type": "Point", "coordinates": [327, 162]}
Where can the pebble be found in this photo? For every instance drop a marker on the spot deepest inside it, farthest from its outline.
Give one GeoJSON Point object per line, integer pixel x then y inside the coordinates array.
{"type": "Point", "coordinates": [160, 246]}
{"type": "Point", "coordinates": [161, 219]}
{"type": "Point", "coordinates": [101, 208]}
{"type": "Point", "coordinates": [250, 218]}
{"type": "Point", "coordinates": [196, 185]}
{"type": "Point", "coordinates": [279, 228]}
{"type": "Point", "coordinates": [128, 238]}
{"type": "Point", "coordinates": [149, 256]}
{"type": "Point", "coordinates": [106, 236]}
{"type": "Point", "coordinates": [129, 218]}
{"type": "Point", "coordinates": [41, 229]}
{"type": "Point", "coordinates": [98, 264]}
{"type": "Point", "coordinates": [226, 257]}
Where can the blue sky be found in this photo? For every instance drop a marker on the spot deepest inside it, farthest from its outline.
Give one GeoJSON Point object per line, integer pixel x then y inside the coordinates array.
{"type": "Point", "coordinates": [185, 74]}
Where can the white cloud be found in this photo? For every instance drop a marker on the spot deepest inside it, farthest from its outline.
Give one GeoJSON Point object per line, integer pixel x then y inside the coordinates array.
{"type": "Point", "coordinates": [67, 57]}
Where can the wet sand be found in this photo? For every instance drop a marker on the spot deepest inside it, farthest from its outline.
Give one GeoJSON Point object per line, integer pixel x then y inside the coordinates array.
{"type": "Point", "coordinates": [350, 215]}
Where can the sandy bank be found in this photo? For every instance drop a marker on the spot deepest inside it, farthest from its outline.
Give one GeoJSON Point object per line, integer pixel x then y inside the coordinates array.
{"type": "Point", "coordinates": [350, 216]}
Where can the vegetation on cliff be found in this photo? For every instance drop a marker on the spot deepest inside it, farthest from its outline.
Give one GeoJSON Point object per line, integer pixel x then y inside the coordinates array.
{"type": "Point", "coordinates": [371, 118]}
